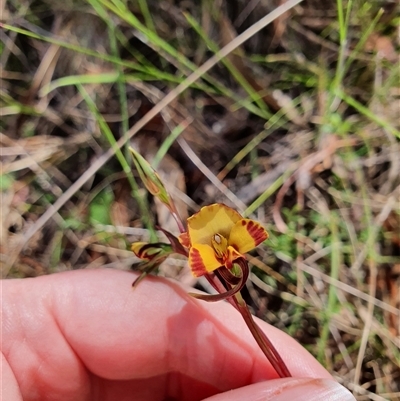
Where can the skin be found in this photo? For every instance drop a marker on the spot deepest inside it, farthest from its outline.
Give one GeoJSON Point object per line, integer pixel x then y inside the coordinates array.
{"type": "Point", "coordinates": [86, 335]}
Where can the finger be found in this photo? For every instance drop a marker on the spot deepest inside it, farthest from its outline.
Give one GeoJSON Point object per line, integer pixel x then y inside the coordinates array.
{"type": "Point", "coordinates": [158, 325]}
{"type": "Point", "coordinates": [288, 389]}
{"type": "Point", "coordinates": [94, 320]}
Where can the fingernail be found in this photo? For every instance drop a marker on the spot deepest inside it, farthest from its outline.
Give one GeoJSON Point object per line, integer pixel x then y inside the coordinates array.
{"type": "Point", "coordinates": [313, 390]}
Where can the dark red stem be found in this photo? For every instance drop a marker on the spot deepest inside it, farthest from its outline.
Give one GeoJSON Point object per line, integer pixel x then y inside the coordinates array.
{"type": "Point", "coordinates": [261, 338]}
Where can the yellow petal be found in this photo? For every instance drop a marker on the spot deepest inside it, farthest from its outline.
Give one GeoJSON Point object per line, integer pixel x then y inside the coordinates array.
{"type": "Point", "coordinates": [202, 260]}
{"type": "Point", "coordinates": [246, 235]}
{"type": "Point", "coordinates": [136, 248]}
{"type": "Point", "coordinates": [146, 251]}
{"type": "Point", "coordinates": [213, 219]}
{"type": "Point", "coordinates": [184, 240]}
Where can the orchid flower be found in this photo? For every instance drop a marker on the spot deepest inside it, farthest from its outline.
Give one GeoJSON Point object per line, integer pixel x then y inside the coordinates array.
{"type": "Point", "coordinates": [215, 242]}
{"type": "Point", "coordinates": [218, 235]}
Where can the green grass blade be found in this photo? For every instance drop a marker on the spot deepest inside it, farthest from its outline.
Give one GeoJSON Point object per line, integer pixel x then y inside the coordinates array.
{"type": "Point", "coordinates": [368, 113]}
{"type": "Point", "coordinates": [172, 137]}
{"type": "Point", "coordinates": [232, 69]}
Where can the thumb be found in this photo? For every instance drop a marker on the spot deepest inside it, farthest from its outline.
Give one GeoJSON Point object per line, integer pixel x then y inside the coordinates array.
{"type": "Point", "coordinates": [293, 389]}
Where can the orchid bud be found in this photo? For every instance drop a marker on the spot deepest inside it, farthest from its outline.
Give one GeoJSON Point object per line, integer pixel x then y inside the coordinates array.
{"type": "Point", "coordinates": [150, 178]}
{"type": "Point", "coordinates": [150, 252]}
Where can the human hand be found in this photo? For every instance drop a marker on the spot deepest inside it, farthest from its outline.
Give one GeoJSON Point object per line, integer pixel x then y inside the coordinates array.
{"type": "Point", "coordinates": [86, 335]}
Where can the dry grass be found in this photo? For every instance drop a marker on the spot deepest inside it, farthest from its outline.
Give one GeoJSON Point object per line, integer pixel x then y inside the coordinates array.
{"type": "Point", "coordinates": [298, 125]}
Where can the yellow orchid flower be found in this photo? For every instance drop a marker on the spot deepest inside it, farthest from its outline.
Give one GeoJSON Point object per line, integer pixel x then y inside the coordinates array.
{"type": "Point", "coordinates": [218, 235]}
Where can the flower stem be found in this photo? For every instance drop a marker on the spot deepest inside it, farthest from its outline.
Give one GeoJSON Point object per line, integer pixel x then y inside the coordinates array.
{"type": "Point", "coordinates": [262, 340]}
{"type": "Point", "coordinates": [179, 223]}
{"type": "Point", "coordinates": [175, 215]}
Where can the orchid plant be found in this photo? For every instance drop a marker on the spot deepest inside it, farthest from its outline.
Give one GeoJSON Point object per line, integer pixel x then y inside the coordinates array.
{"type": "Point", "coordinates": [215, 242]}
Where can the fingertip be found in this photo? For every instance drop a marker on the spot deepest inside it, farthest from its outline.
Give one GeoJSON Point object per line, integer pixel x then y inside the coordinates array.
{"type": "Point", "coordinates": [292, 389]}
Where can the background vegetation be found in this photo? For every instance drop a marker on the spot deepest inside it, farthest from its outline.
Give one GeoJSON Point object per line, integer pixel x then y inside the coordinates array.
{"type": "Point", "coordinates": [298, 127]}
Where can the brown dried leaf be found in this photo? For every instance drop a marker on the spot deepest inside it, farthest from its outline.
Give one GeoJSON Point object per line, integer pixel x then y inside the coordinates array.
{"type": "Point", "coordinates": [174, 180]}
{"type": "Point", "coordinates": [392, 225]}
{"type": "Point", "coordinates": [279, 25]}
{"type": "Point", "coordinates": [120, 213]}
{"type": "Point", "coordinates": [383, 46]}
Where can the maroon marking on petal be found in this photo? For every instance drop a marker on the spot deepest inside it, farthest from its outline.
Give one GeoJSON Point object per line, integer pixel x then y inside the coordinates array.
{"type": "Point", "coordinates": [235, 247]}
{"type": "Point", "coordinates": [184, 239]}
{"type": "Point", "coordinates": [196, 263]}
{"type": "Point", "coordinates": [257, 232]}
